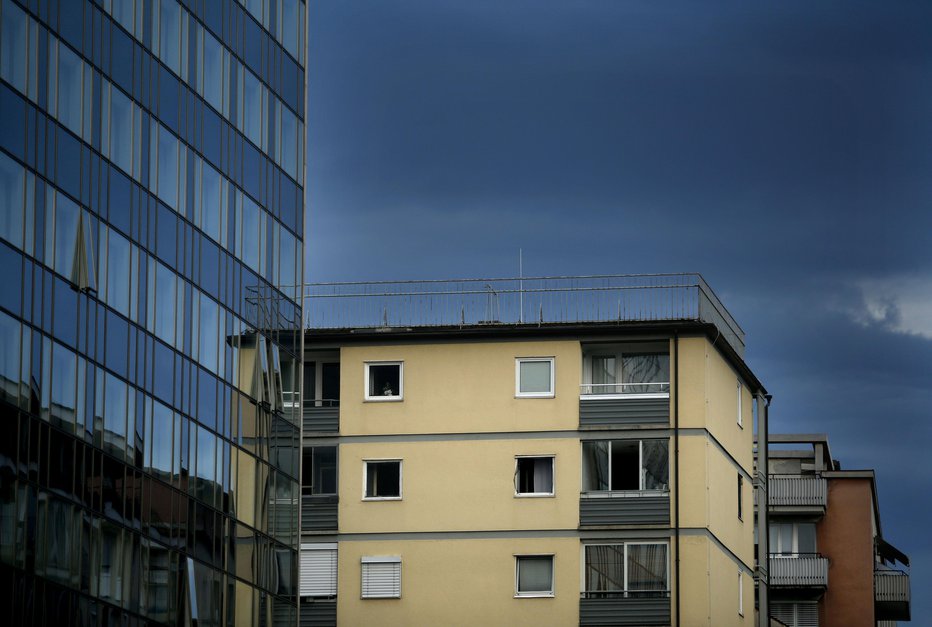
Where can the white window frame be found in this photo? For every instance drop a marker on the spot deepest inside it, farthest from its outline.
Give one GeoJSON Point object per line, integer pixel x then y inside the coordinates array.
{"type": "Point", "coordinates": [740, 394]}
{"type": "Point", "coordinates": [384, 559]}
{"type": "Point", "coordinates": [641, 474]}
{"type": "Point", "coordinates": [401, 382]}
{"type": "Point", "coordinates": [740, 594]}
{"type": "Point", "coordinates": [794, 540]}
{"type": "Point", "coordinates": [553, 478]}
{"type": "Point", "coordinates": [524, 360]}
{"type": "Point", "coordinates": [536, 594]}
{"type": "Point", "coordinates": [625, 544]}
{"type": "Point", "coordinates": [365, 479]}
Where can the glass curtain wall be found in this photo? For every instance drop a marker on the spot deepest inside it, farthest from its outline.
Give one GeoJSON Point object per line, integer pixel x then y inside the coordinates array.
{"type": "Point", "coordinates": [151, 220]}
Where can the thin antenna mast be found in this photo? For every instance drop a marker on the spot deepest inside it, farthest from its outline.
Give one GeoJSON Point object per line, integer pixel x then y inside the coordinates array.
{"type": "Point", "coordinates": [521, 285]}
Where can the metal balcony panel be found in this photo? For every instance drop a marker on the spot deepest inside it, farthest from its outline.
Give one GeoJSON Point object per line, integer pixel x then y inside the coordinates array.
{"type": "Point", "coordinates": [618, 610]}
{"type": "Point", "coordinates": [797, 493]}
{"type": "Point", "coordinates": [620, 411]}
{"type": "Point", "coordinates": [321, 419]}
{"type": "Point", "coordinates": [802, 571]}
{"type": "Point", "coordinates": [318, 612]}
{"type": "Point", "coordinates": [603, 510]}
{"type": "Point", "coordinates": [891, 595]}
{"type": "Point", "coordinates": [319, 513]}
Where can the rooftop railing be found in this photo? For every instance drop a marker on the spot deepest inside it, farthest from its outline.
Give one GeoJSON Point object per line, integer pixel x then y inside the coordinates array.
{"type": "Point", "coordinates": [519, 301]}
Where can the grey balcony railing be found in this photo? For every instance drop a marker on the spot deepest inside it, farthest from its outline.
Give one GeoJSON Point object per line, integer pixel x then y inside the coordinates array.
{"type": "Point", "coordinates": [321, 415]}
{"type": "Point", "coordinates": [516, 301]}
{"type": "Point", "coordinates": [799, 570]}
{"type": "Point", "coordinates": [891, 585]}
{"type": "Point", "coordinates": [796, 490]}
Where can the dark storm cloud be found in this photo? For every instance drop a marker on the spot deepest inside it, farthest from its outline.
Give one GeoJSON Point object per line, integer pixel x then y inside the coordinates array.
{"type": "Point", "coordinates": [783, 151]}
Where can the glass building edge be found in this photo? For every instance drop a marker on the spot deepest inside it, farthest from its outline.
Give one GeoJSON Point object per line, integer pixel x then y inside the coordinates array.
{"type": "Point", "coordinates": [145, 477]}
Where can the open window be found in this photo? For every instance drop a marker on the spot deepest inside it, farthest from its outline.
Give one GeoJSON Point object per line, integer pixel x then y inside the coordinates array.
{"type": "Point", "coordinates": [384, 380]}
{"type": "Point", "coordinates": [629, 569]}
{"type": "Point", "coordinates": [534, 377]}
{"type": "Point", "coordinates": [792, 539]}
{"type": "Point", "coordinates": [534, 476]}
{"type": "Point", "coordinates": [322, 379]}
{"type": "Point", "coordinates": [625, 465]}
{"type": "Point", "coordinates": [383, 480]}
{"type": "Point", "coordinates": [534, 575]}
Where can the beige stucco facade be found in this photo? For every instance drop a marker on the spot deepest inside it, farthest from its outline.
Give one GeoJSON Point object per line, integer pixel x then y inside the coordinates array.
{"type": "Point", "coordinates": [458, 525]}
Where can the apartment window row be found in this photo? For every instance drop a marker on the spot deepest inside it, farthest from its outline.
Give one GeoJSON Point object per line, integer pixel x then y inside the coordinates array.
{"type": "Point", "coordinates": [611, 570]}
{"type": "Point", "coordinates": [608, 466]}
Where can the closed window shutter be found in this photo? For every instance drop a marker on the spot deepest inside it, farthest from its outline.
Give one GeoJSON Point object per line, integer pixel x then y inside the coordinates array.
{"type": "Point", "coordinates": [804, 614]}
{"type": "Point", "coordinates": [319, 571]}
{"type": "Point", "coordinates": [381, 577]}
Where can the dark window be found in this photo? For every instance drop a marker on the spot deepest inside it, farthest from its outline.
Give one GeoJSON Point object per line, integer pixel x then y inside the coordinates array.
{"type": "Point", "coordinates": [383, 479]}
{"type": "Point", "coordinates": [330, 383]}
{"type": "Point", "coordinates": [534, 475]}
{"type": "Point", "coordinates": [740, 496]}
{"type": "Point", "coordinates": [384, 380]}
{"type": "Point", "coordinates": [319, 473]}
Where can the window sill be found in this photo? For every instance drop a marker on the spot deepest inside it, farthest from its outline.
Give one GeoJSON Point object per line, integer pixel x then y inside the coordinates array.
{"type": "Point", "coordinates": [381, 498]}
{"type": "Point", "coordinates": [535, 495]}
{"type": "Point", "coordinates": [535, 595]}
{"type": "Point", "coordinates": [550, 395]}
{"type": "Point", "coordinates": [383, 399]}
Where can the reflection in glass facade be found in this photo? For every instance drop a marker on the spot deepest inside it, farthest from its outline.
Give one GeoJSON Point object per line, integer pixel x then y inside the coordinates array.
{"type": "Point", "coordinates": [151, 212]}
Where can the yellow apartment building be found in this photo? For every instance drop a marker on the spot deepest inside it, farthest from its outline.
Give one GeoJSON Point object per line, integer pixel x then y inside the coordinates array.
{"type": "Point", "coordinates": [557, 451]}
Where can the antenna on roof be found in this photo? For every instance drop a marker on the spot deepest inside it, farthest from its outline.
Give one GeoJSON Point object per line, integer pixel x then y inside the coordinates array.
{"type": "Point", "coordinates": [520, 285]}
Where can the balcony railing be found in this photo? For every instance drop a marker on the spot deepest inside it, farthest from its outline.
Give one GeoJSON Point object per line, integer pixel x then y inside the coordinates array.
{"type": "Point", "coordinates": [321, 415]}
{"type": "Point", "coordinates": [622, 390]}
{"type": "Point", "coordinates": [797, 491]}
{"type": "Point", "coordinates": [519, 301]}
{"type": "Point", "coordinates": [798, 570]}
{"type": "Point", "coordinates": [624, 608]}
{"type": "Point", "coordinates": [891, 585]}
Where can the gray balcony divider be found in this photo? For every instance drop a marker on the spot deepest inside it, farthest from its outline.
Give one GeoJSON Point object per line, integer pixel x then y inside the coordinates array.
{"type": "Point", "coordinates": [321, 419]}
{"type": "Point", "coordinates": [807, 570]}
{"type": "Point", "coordinates": [797, 491]}
{"type": "Point", "coordinates": [599, 510]}
{"type": "Point", "coordinates": [318, 613]}
{"type": "Point", "coordinates": [618, 610]}
{"type": "Point", "coordinates": [604, 412]}
{"type": "Point", "coordinates": [319, 512]}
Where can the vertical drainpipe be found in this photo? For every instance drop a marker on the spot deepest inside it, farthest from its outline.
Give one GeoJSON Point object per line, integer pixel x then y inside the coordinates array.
{"type": "Point", "coordinates": [676, 456]}
{"type": "Point", "coordinates": [763, 511]}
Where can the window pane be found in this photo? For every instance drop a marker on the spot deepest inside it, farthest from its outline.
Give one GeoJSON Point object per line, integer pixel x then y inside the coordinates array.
{"type": "Point", "coordinates": [653, 369]}
{"type": "Point", "coordinates": [63, 384]}
{"type": "Point", "coordinates": [208, 333]}
{"type": "Point", "coordinates": [249, 233]}
{"type": "Point", "coordinates": [168, 167]}
{"type": "Point", "coordinates": [66, 234]}
{"type": "Point", "coordinates": [169, 34]}
{"type": "Point", "coordinates": [330, 384]}
{"type": "Point", "coordinates": [70, 79]}
{"type": "Point", "coordinates": [626, 465]}
{"type": "Point", "coordinates": [806, 537]}
{"type": "Point", "coordinates": [13, 46]}
{"type": "Point", "coordinates": [9, 358]}
{"type": "Point", "coordinates": [535, 475]}
{"type": "Point", "coordinates": [161, 437]}
{"type": "Point", "coordinates": [535, 574]}
{"type": "Point", "coordinates": [325, 470]}
{"type": "Point", "coordinates": [605, 568]}
{"type": "Point", "coordinates": [115, 416]}
{"type": "Point", "coordinates": [121, 130]}
{"type": "Point", "coordinates": [213, 71]}
{"type": "Point", "coordinates": [211, 199]}
{"type": "Point", "coordinates": [289, 142]}
{"type": "Point", "coordinates": [603, 375]}
{"type": "Point", "coordinates": [253, 95]}
{"type": "Point", "coordinates": [118, 268]}
{"type": "Point", "coordinates": [656, 465]}
{"type": "Point", "coordinates": [384, 380]}
{"type": "Point", "coordinates": [595, 466]}
{"type": "Point", "coordinates": [534, 377]}
{"type": "Point", "coordinates": [12, 176]}
{"type": "Point", "coordinates": [165, 304]}
{"type": "Point", "coordinates": [647, 567]}
{"type": "Point", "coordinates": [383, 479]}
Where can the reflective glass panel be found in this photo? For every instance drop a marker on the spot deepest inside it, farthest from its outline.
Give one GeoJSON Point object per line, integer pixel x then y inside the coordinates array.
{"type": "Point", "coordinates": [121, 130]}
{"type": "Point", "coordinates": [70, 79]}
{"type": "Point", "coordinates": [118, 270]}
{"type": "Point", "coordinates": [66, 234]}
{"type": "Point", "coordinates": [12, 177]}
{"type": "Point", "coordinates": [13, 46]}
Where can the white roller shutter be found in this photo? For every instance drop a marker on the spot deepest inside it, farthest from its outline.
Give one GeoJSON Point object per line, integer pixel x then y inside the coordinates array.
{"type": "Point", "coordinates": [319, 570]}
{"type": "Point", "coordinates": [381, 577]}
{"type": "Point", "coordinates": [800, 614]}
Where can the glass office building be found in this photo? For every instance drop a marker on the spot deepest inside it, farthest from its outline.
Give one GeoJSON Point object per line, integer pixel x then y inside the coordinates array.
{"type": "Point", "coordinates": [151, 219]}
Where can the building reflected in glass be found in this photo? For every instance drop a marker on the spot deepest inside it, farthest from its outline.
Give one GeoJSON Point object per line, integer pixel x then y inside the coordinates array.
{"type": "Point", "coordinates": [151, 219]}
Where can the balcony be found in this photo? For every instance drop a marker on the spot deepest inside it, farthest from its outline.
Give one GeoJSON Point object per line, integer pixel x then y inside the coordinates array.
{"type": "Point", "coordinates": [798, 570]}
{"type": "Point", "coordinates": [619, 404]}
{"type": "Point", "coordinates": [891, 595]}
{"type": "Point", "coordinates": [631, 608]}
{"type": "Point", "coordinates": [803, 494]}
{"type": "Point", "coordinates": [322, 416]}
{"type": "Point", "coordinates": [520, 302]}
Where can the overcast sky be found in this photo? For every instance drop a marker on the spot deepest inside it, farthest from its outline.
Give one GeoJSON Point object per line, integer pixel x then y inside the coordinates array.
{"type": "Point", "coordinates": [783, 151]}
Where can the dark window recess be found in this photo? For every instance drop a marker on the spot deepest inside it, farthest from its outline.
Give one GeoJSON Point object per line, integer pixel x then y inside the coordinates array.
{"type": "Point", "coordinates": [383, 479]}
{"type": "Point", "coordinates": [330, 383]}
{"type": "Point", "coordinates": [534, 475]}
{"type": "Point", "coordinates": [384, 380]}
{"type": "Point", "coordinates": [319, 472]}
